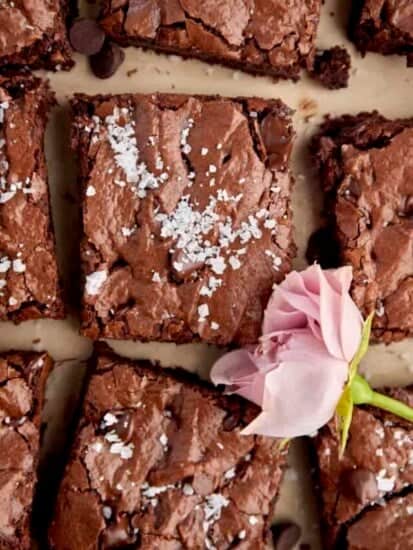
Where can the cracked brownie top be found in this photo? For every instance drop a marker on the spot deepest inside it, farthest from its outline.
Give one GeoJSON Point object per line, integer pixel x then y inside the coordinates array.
{"type": "Point", "coordinates": [159, 462]}
{"type": "Point", "coordinates": [367, 497]}
{"type": "Point", "coordinates": [186, 214]}
{"type": "Point", "coordinates": [22, 385]}
{"type": "Point", "coordinates": [29, 280]}
{"type": "Point", "coordinates": [273, 37]}
{"type": "Point", "coordinates": [366, 167]}
{"type": "Point", "coordinates": [34, 34]}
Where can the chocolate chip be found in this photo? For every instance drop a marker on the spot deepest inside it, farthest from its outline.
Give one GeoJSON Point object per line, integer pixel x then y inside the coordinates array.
{"type": "Point", "coordinates": [105, 63]}
{"type": "Point", "coordinates": [286, 535]}
{"type": "Point", "coordinates": [360, 484]}
{"type": "Point", "coordinates": [86, 36]}
{"type": "Point", "coordinates": [322, 248]}
{"type": "Point", "coordinates": [277, 140]}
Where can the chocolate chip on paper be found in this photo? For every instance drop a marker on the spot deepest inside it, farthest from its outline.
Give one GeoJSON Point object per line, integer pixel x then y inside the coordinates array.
{"type": "Point", "coordinates": [86, 36]}
{"type": "Point", "coordinates": [105, 63]}
{"type": "Point", "coordinates": [286, 535]}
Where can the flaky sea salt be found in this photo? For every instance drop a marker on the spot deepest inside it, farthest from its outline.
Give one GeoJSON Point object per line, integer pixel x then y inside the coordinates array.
{"type": "Point", "coordinates": [95, 281]}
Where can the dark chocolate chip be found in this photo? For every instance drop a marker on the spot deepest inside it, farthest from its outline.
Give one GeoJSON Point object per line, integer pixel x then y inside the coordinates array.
{"type": "Point", "coordinates": [323, 248]}
{"type": "Point", "coordinates": [360, 484]}
{"type": "Point", "coordinates": [105, 63]}
{"type": "Point", "coordinates": [286, 535]}
{"type": "Point", "coordinates": [86, 36]}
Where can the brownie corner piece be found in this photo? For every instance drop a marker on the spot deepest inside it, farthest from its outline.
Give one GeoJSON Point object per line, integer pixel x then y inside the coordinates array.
{"type": "Point", "coordinates": [366, 497]}
{"type": "Point", "coordinates": [23, 378]}
{"type": "Point", "coordinates": [159, 462]}
{"type": "Point", "coordinates": [382, 26]}
{"type": "Point", "coordinates": [266, 37]}
{"type": "Point", "coordinates": [186, 214]}
{"type": "Point", "coordinates": [364, 163]}
{"type": "Point", "coordinates": [29, 279]}
{"type": "Point", "coordinates": [34, 35]}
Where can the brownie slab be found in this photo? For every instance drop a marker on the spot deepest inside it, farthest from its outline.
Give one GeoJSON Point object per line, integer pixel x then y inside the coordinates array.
{"type": "Point", "coordinates": [366, 166]}
{"type": "Point", "coordinates": [29, 281]}
{"type": "Point", "coordinates": [22, 385]}
{"type": "Point", "coordinates": [33, 34]}
{"type": "Point", "coordinates": [382, 26]}
{"type": "Point", "coordinates": [186, 214]}
{"type": "Point", "coordinates": [259, 36]}
{"type": "Point", "coordinates": [159, 462]}
{"type": "Point", "coordinates": [367, 496]}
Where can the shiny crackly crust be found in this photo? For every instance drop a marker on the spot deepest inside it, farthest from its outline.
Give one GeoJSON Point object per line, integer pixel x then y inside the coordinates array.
{"type": "Point", "coordinates": [383, 445]}
{"type": "Point", "coordinates": [48, 49]}
{"type": "Point", "coordinates": [258, 36]}
{"type": "Point", "coordinates": [131, 305]}
{"type": "Point", "coordinates": [30, 287]}
{"type": "Point", "coordinates": [369, 212]}
{"type": "Point", "coordinates": [23, 378]}
{"type": "Point", "coordinates": [183, 437]}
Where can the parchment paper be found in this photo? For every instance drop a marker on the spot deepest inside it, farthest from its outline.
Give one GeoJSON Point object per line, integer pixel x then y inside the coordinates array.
{"type": "Point", "coordinates": [377, 83]}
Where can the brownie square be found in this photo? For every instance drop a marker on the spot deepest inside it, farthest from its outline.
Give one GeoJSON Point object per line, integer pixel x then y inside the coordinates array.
{"type": "Point", "coordinates": [29, 281]}
{"type": "Point", "coordinates": [367, 496]}
{"type": "Point", "coordinates": [33, 34]}
{"type": "Point", "coordinates": [186, 214]}
{"type": "Point", "coordinates": [383, 26]}
{"type": "Point", "coordinates": [22, 386]}
{"type": "Point", "coordinates": [366, 168]}
{"type": "Point", "coordinates": [270, 37]}
{"type": "Point", "coordinates": [159, 462]}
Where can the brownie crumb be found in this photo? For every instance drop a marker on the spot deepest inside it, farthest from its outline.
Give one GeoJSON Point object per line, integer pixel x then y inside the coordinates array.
{"type": "Point", "coordinates": [332, 68]}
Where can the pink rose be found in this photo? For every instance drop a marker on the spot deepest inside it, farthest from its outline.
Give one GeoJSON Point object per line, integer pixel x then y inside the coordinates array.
{"type": "Point", "coordinates": [311, 331]}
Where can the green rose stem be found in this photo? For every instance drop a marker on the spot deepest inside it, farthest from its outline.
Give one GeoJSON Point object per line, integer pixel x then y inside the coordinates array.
{"type": "Point", "coordinates": [363, 394]}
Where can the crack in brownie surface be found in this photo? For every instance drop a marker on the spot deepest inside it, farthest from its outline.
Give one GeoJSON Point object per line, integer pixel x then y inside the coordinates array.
{"type": "Point", "coordinates": [34, 34]}
{"type": "Point", "coordinates": [159, 462]}
{"type": "Point", "coordinates": [29, 281]}
{"type": "Point", "coordinates": [186, 214]}
{"type": "Point", "coordinates": [272, 37]}
{"type": "Point", "coordinates": [22, 384]}
{"type": "Point", "coordinates": [366, 497]}
{"type": "Point", "coordinates": [365, 165]}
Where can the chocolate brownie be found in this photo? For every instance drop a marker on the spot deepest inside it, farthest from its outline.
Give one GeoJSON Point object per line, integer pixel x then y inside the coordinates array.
{"type": "Point", "coordinates": [365, 163]}
{"type": "Point", "coordinates": [159, 462]}
{"type": "Point", "coordinates": [29, 282]}
{"type": "Point", "coordinates": [367, 496]}
{"type": "Point", "coordinates": [22, 385]}
{"type": "Point", "coordinates": [186, 214]}
{"type": "Point", "coordinates": [270, 37]}
{"type": "Point", "coordinates": [332, 68]}
{"type": "Point", "coordinates": [33, 34]}
{"type": "Point", "coordinates": [383, 26]}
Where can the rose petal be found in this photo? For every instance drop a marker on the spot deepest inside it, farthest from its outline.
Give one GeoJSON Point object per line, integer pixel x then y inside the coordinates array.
{"type": "Point", "coordinates": [300, 396]}
{"type": "Point", "coordinates": [238, 369]}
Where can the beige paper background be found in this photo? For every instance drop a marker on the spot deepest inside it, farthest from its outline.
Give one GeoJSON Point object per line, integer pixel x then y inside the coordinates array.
{"type": "Point", "coordinates": [377, 83]}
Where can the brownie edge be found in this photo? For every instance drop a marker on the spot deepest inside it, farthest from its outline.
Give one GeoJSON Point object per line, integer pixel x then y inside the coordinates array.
{"type": "Point", "coordinates": [23, 377]}
{"type": "Point", "coordinates": [261, 37]}
{"type": "Point", "coordinates": [159, 462]}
